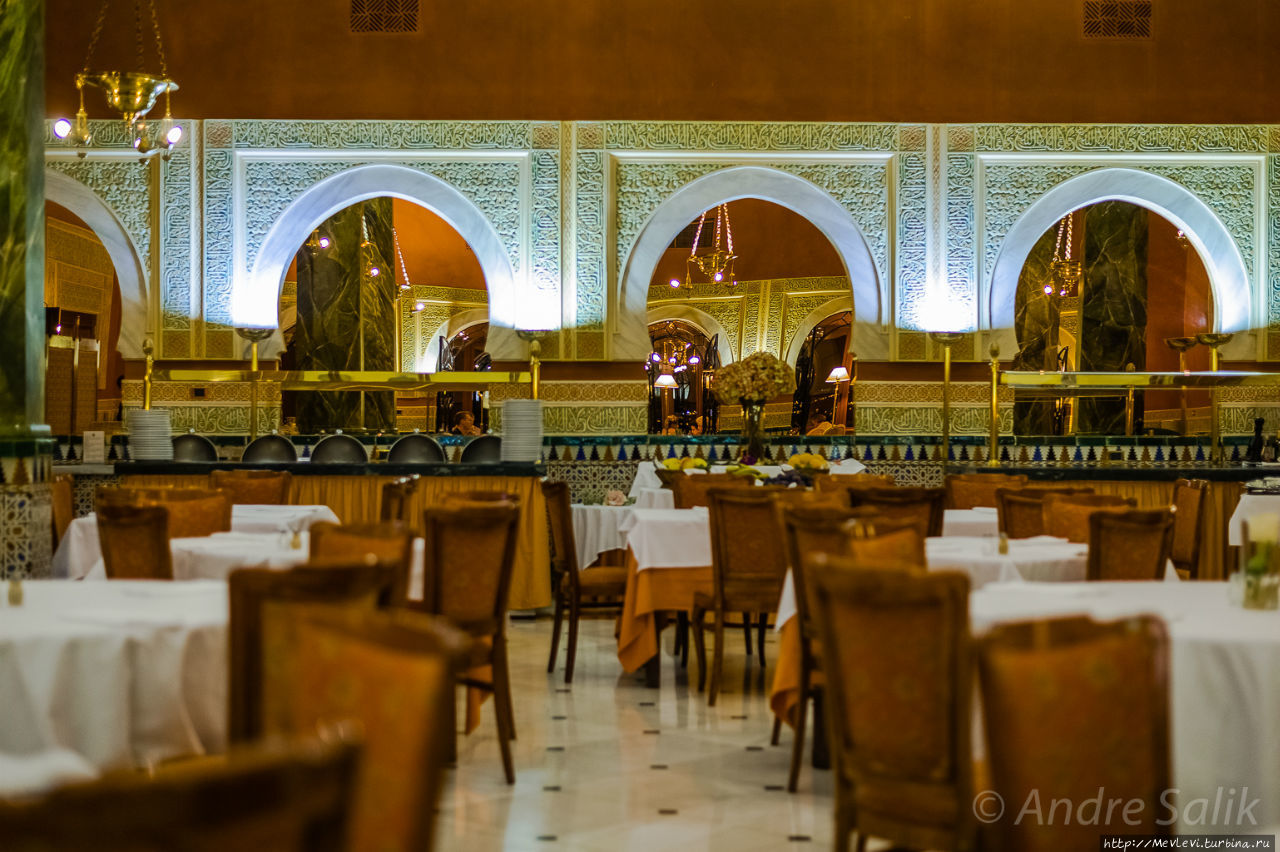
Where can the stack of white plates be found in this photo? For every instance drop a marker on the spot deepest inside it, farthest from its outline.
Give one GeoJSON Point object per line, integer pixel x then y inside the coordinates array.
{"type": "Point", "coordinates": [150, 436]}
{"type": "Point", "coordinates": [522, 430]}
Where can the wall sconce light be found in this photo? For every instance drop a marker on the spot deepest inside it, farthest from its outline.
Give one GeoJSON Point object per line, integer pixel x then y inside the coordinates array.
{"type": "Point", "coordinates": [838, 374]}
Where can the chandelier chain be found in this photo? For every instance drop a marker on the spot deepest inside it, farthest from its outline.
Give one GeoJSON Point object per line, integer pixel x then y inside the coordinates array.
{"type": "Point", "coordinates": [137, 29]}
{"type": "Point", "coordinates": [697, 235]}
{"type": "Point", "coordinates": [97, 34]}
{"type": "Point", "coordinates": [728, 228]}
{"type": "Point", "coordinates": [155, 28]}
{"type": "Point", "coordinates": [404, 270]}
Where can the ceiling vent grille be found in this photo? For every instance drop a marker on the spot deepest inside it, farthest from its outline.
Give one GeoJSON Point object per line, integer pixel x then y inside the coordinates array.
{"type": "Point", "coordinates": [1117, 18]}
{"type": "Point", "coordinates": [384, 16]}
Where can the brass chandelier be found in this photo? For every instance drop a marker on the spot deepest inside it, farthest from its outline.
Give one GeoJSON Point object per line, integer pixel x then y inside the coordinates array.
{"type": "Point", "coordinates": [715, 262]}
{"type": "Point", "coordinates": [131, 93]}
{"type": "Point", "coordinates": [1066, 272]}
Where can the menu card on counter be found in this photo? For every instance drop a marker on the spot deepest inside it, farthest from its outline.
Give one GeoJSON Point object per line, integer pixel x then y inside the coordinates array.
{"type": "Point", "coordinates": [94, 449]}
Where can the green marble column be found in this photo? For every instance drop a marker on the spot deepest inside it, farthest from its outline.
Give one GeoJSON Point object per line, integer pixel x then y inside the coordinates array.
{"type": "Point", "coordinates": [25, 445]}
{"type": "Point", "coordinates": [1035, 318]}
{"type": "Point", "coordinates": [346, 319]}
{"type": "Point", "coordinates": [1113, 306]}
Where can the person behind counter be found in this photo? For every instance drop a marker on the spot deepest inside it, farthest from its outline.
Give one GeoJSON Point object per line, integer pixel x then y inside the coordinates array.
{"type": "Point", "coordinates": [465, 424]}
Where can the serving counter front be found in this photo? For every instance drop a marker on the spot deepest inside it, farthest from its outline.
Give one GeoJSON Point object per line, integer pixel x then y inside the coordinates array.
{"type": "Point", "coordinates": [354, 493]}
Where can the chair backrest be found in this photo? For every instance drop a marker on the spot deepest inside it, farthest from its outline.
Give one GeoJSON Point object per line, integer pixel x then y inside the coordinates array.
{"type": "Point", "coordinates": [291, 796]}
{"type": "Point", "coordinates": [261, 637]}
{"type": "Point", "coordinates": [62, 494]}
{"type": "Point", "coordinates": [482, 450]}
{"type": "Point", "coordinates": [564, 545]}
{"type": "Point", "coordinates": [195, 512]}
{"type": "Point", "coordinates": [972, 490]}
{"type": "Point", "coordinates": [1020, 511]}
{"type": "Point", "coordinates": [923, 506]}
{"type": "Point", "coordinates": [469, 553]}
{"type": "Point", "coordinates": [748, 556]}
{"type": "Point", "coordinates": [339, 449]}
{"type": "Point", "coordinates": [668, 477]}
{"type": "Point", "coordinates": [1067, 515]}
{"type": "Point", "coordinates": [135, 542]}
{"type": "Point", "coordinates": [691, 490]}
{"type": "Point", "coordinates": [1116, 723]}
{"type": "Point", "coordinates": [416, 449]}
{"type": "Point", "coordinates": [842, 482]}
{"type": "Point", "coordinates": [1129, 545]}
{"type": "Point", "coordinates": [389, 542]}
{"type": "Point", "coordinates": [393, 672]}
{"type": "Point", "coordinates": [810, 530]}
{"type": "Point", "coordinates": [896, 656]}
{"type": "Point", "coordinates": [1189, 497]}
{"type": "Point", "coordinates": [254, 487]}
{"type": "Point", "coordinates": [270, 448]}
{"type": "Point", "coordinates": [890, 542]}
{"type": "Point", "coordinates": [396, 498]}
{"type": "Point", "coordinates": [479, 496]}
{"type": "Point", "coordinates": [194, 448]}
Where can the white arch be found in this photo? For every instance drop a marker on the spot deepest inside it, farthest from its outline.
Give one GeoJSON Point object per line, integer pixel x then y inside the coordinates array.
{"type": "Point", "coordinates": [447, 329]}
{"type": "Point", "coordinates": [1228, 279]}
{"type": "Point", "coordinates": [811, 319]}
{"type": "Point", "coordinates": [254, 299]}
{"type": "Point", "coordinates": [701, 320]}
{"type": "Point", "coordinates": [786, 190]}
{"type": "Point", "coordinates": [85, 203]}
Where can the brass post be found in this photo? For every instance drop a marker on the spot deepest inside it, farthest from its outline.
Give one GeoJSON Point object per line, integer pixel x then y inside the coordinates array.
{"type": "Point", "coordinates": [535, 366]}
{"type": "Point", "coordinates": [147, 349]}
{"type": "Point", "coordinates": [1181, 345]}
{"type": "Point", "coordinates": [1128, 404]}
{"type": "Point", "coordinates": [1213, 341]}
{"type": "Point", "coordinates": [852, 416]}
{"type": "Point", "coordinates": [947, 339]}
{"type": "Point", "coordinates": [255, 336]}
{"type": "Point", "coordinates": [993, 454]}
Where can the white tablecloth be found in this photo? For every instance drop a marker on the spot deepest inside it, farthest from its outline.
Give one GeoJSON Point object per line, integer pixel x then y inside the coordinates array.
{"type": "Point", "coordinates": [597, 529]}
{"type": "Point", "coordinates": [668, 538]}
{"type": "Point", "coordinates": [1224, 679]}
{"type": "Point", "coordinates": [647, 478]}
{"type": "Point", "coordinates": [1040, 559]}
{"type": "Point", "coordinates": [655, 498]}
{"type": "Point", "coordinates": [79, 550]}
{"type": "Point", "coordinates": [981, 522]}
{"type": "Point", "coordinates": [1250, 505]}
{"type": "Point", "coordinates": [122, 674]}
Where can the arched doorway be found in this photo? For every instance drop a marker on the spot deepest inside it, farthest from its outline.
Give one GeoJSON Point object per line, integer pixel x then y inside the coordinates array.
{"type": "Point", "coordinates": [84, 371]}
{"type": "Point", "coordinates": [369, 289]}
{"type": "Point", "coordinates": [686, 205]}
{"type": "Point", "coordinates": [821, 405]}
{"type": "Point", "coordinates": [1113, 286]}
{"type": "Point", "coordinates": [681, 370]}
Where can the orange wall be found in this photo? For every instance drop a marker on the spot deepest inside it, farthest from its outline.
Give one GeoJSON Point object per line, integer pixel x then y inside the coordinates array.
{"type": "Point", "coordinates": [770, 241]}
{"type": "Point", "coordinates": [1178, 305]}
{"type": "Point", "coordinates": [434, 253]}
{"type": "Point", "coordinates": [817, 60]}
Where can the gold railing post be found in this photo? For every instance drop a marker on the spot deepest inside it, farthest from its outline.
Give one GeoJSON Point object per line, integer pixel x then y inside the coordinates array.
{"type": "Point", "coordinates": [993, 451]}
{"type": "Point", "coordinates": [947, 339]}
{"type": "Point", "coordinates": [1214, 341]}
{"type": "Point", "coordinates": [147, 349]}
{"type": "Point", "coordinates": [1128, 404]}
{"type": "Point", "coordinates": [851, 416]}
{"type": "Point", "coordinates": [1181, 345]}
{"type": "Point", "coordinates": [534, 337]}
{"type": "Point", "coordinates": [255, 336]}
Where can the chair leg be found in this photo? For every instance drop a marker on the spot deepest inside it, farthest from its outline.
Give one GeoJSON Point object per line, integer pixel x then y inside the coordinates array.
{"type": "Point", "coordinates": [505, 734]}
{"type": "Point", "coordinates": [502, 674]}
{"type": "Point", "coordinates": [451, 723]}
{"type": "Point", "coordinates": [862, 842]}
{"type": "Point", "coordinates": [682, 638]}
{"type": "Point", "coordinates": [802, 717]}
{"type": "Point", "coordinates": [572, 654]}
{"type": "Point", "coordinates": [698, 622]}
{"type": "Point", "coordinates": [717, 660]}
{"type": "Point", "coordinates": [555, 633]}
{"type": "Point", "coordinates": [746, 630]}
{"type": "Point", "coordinates": [763, 626]}
{"type": "Point", "coordinates": [777, 730]}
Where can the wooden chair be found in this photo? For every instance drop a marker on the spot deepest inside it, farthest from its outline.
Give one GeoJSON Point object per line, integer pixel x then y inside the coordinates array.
{"type": "Point", "coordinates": [1112, 734]}
{"type": "Point", "coordinates": [62, 489]}
{"type": "Point", "coordinates": [1129, 545]}
{"type": "Point", "coordinates": [840, 483]}
{"type": "Point", "coordinates": [483, 497]}
{"type": "Point", "coordinates": [262, 639]}
{"type": "Point", "coordinates": [896, 656]}
{"type": "Point", "coordinates": [668, 477]}
{"type": "Point", "coordinates": [469, 555]}
{"type": "Point", "coordinates": [1067, 515]}
{"type": "Point", "coordinates": [923, 506]}
{"type": "Point", "coordinates": [396, 497]}
{"type": "Point", "coordinates": [393, 672]}
{"type": "Point", "coordinates": [885, 542]}
{"type": "Point", "coordinates": [292, 796]}
{"type": "Point", "coordinates": [809, 530]}
{"type": "Point", "coordinates": [135, 542]}
{"type": "Point", "coordinates": [971, 490]}
{"type": "Point", "coordinates": [1020, 512]}
{"type": "Point", "coordinates": [748, 566]}
{"type": "Point", "coordinates": [390, 543]}
{"type": "Point", "coordinates": [1189, 497]}
{"type": "Point", "coordinates": [254, 487]}
{"type": "Point", "coordinates": [576, 590]}
{"type": "Point", "coordinates": [193, 512]}
{"type": "Point", "coordinates": [691, 490]}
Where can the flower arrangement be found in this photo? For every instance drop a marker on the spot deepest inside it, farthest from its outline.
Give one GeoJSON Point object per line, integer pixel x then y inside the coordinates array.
{"type": "Point", "coordinates": [757, 378]}
{"type": "Point", "coordinates": [689, 463]}
{"type": "Point", "coordinates": [615, 498]}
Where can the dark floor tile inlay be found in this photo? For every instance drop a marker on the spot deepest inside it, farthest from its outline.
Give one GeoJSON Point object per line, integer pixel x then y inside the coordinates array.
{"type": "Point", "coordinates": [555, 748]}
{"type": "Point", "coordinates": [798, 838]}
{"type": "Point", "coordinates": [773, 788]}
{"type": "Point", "coordinates": [667, 812]}
{"type": "Point", "coordinates": [652, 731]}
{"type": "Point", "coordinates": [648, 704]}
{"type": "Point", "coordinates": [552, 788]}
{"type": "Point", "coordinates": [546, 837]}
{"type": "Point", "coordinates": [558, 718]}
{"type": "Point", "coordinates": [755, 748]}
